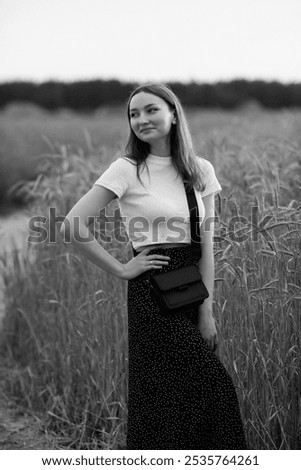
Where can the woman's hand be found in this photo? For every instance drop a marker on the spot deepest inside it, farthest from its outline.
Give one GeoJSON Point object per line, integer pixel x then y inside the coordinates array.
{"type": "Point", "coordinates": [208, 329]}
{"type": "Point", "coordinates": [142, 263]}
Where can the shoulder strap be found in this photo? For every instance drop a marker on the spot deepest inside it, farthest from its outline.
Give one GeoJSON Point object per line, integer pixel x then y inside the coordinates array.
{"type": "Point", "coordinates": [194, 223]}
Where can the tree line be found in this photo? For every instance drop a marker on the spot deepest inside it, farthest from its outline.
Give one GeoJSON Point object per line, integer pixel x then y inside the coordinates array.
{"type": "Point", "coordinates": [89, 95]}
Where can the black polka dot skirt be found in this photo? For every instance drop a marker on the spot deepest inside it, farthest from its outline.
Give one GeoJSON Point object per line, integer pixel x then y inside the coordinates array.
{"type": "Point", "coordinates": [180, 395]}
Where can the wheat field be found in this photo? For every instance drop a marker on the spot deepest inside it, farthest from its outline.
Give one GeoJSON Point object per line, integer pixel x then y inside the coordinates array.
{"type": "Point", "coordinates": [64, 340]}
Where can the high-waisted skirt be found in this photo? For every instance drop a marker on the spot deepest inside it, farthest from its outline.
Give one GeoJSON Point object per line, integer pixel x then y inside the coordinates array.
{"type": "Point", "coordinates": [180, 395]}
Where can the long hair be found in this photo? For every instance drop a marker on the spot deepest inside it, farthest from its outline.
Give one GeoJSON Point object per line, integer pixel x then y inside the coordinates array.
{"type": "Point", "coordinates": [183, 155]}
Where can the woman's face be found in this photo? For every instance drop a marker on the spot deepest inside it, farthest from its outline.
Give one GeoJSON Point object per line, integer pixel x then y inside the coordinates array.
{"type": "Point", "coordinates": [150, 117]}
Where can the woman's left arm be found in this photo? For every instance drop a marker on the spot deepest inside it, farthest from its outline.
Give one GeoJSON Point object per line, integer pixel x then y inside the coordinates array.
{"type": "Point", "coordinates": [206, 266]}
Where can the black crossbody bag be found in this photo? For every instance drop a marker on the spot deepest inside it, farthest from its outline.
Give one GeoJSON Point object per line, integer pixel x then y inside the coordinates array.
{"type": "Point", "coordinates": [183, 287]}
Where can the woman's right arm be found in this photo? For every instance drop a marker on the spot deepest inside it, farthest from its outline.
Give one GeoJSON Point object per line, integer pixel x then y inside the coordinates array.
{"type": "Point", "coordinates": [75, 227]}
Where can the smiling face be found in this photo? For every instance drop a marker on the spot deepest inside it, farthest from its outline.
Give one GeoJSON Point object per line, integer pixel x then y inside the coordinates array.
{"type": "Point", "coordinates": [150, 118]}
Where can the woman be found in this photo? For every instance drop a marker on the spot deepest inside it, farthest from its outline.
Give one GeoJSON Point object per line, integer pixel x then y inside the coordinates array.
{"type": "Point", "coordinates": [180, 395]}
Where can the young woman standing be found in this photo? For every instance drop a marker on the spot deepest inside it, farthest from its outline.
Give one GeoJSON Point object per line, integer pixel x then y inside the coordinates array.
{"type": "Point", "coordinates": [180, 395]}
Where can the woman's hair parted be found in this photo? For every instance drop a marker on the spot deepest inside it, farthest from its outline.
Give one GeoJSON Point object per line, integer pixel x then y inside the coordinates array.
{"type": "Point", "coordinates": [182, 151]}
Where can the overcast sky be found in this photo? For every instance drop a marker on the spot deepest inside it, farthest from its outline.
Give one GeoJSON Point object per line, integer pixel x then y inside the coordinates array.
{"type": "Point", "coordinates": [165, 40]}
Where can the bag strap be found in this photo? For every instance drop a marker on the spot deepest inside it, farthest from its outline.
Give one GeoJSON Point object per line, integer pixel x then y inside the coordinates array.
{"type": "Point", "coordinates": [194, 222]}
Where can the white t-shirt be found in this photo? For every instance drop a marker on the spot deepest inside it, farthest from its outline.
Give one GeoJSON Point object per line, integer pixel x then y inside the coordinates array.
{"type": "Point", "coordinates": [157, 211]}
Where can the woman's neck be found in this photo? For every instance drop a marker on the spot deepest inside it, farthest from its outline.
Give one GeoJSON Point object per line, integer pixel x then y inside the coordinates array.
{"type": "Point", "coordinates": [161, 150]}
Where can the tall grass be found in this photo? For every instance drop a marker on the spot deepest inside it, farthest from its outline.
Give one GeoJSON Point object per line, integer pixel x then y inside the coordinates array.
{"type": "Point", "coordinates": [258, 298]}
{"type": "Point", "coordinates": [29, 135]}
{"type": "Point", "coordinates": [65, 333]}
{"type": "Point", "coordinates": [67, 339]}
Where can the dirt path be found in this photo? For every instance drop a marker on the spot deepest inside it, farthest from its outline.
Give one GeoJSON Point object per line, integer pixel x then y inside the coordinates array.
{"type": "Point", "coordinates": [13, 238]}
{"type": "Point", "coordinates": [17, 429]}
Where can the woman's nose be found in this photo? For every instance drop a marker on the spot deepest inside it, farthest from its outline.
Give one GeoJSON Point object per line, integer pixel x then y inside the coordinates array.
{"type": "Point", "coordinates": [143, 118]}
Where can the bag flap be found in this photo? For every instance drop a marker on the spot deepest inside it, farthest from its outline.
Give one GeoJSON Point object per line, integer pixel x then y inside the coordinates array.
{"type": "Point", "coordinates": [178, 277]}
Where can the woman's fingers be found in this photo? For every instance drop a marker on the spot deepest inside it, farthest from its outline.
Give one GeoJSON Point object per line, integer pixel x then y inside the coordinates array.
{"type": "Point", "coordinates": [214, 343]}
{"type": "Point", "coordinates": [159, 257]}
{"type": "Point", "coordinates": [154, 261]}
{"type": "Point", "coordinates": [147, 250]}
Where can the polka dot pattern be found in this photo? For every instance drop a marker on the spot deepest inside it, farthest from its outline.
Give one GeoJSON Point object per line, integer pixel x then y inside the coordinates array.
{"type": "Point", "coordinates": [180, 395]}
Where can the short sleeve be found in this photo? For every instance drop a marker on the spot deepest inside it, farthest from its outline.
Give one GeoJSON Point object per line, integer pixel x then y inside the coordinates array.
{"type": "Point", "coordinates": [117, 177]}
{"type": "Point", "coordinates": [210, 180]}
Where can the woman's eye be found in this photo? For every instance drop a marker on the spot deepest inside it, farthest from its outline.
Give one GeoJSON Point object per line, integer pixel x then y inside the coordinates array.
{"type": "Point", "coordinates": [153, 109]}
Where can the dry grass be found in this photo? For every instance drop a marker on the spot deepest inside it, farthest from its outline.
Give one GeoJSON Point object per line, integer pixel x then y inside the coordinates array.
{"type": "Point", "coordinates": [65, 331]}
